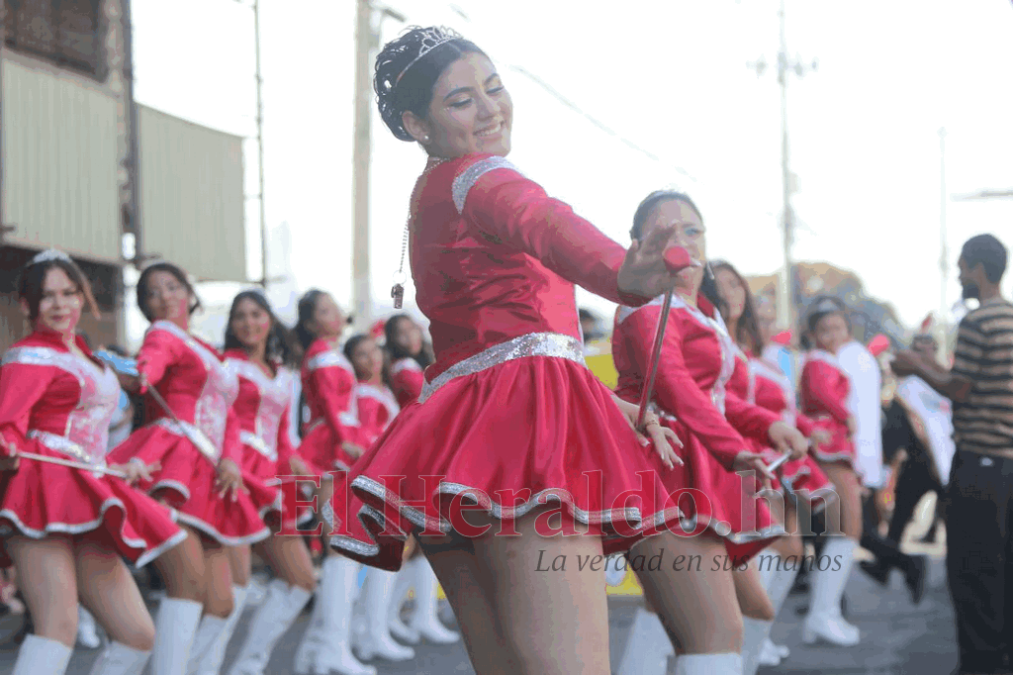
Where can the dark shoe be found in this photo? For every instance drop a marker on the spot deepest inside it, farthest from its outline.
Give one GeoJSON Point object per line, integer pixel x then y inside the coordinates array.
{"type": "Point", "coordinates": [874, 569]}
{"type": "Point", "coordinates": [914, 577]}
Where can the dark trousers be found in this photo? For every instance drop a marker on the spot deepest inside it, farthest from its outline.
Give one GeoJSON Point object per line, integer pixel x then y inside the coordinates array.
{"type": "Point", "coordinates": [887, 552]}
{"type": "Point", "coordinates": [916, 478]}
{"type": "Point", "coordinates": [979, 560]}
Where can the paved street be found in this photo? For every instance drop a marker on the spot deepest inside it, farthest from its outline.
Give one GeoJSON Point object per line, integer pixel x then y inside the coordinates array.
{"type": "Point", "coordinates": [898, 638]}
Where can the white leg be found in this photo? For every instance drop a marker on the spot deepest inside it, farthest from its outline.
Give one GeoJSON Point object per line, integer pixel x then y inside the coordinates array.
{"type": "Point", "coordinates": [42, 656]}
{"type": "Point", "coordinates": [337, 595]}
{"type": "Point", "coordinates": [210, 662]}
{"type": "Point", "coordinates": [377, 641]}
{"type": "Point", "coordinates": [708, 664]}
{"type": "Point", "coordinates": [87, 631]}
{"type": "Point", "coordinates": [306, 654]}
{"type": "Point", "coordinates": [647, 648]}
{"type": "Point", "coordinates": [406, 580]}
{"type": "Point", "coordinates": [274, 617]}
{"type": "Point", "coordinates": [119, 659]}
{"type": "Point", "coordinates": [824, 620]}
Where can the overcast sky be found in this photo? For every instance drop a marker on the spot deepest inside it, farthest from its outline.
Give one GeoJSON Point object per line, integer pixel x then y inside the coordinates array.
{"type": "Point", "coordinates": [671, 77]}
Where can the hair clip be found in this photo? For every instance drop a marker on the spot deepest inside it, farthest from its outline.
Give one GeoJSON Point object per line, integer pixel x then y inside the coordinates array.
{"type": "Point", "coordinates": [431, 39]}
{"type": "Point", "coordinates": [50, 254]}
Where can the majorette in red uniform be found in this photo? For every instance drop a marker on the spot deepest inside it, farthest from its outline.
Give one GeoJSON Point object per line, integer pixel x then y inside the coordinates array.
{"type": "Point", "coordinates": [824, 392]}
{"type": "Point", "coordinates": [329, 386]}
{"type": "Point", "coordinates": [775, 392]}
{"type": "Point", "coordinates": [377, 409]}
{"type": "Point", "coordinates": [509, 404]}
{"type": "Point", "coordinates": [262, 412]}
{"type": "Point", "coordinates": [192, 378]}
{"type": "Point", "coordinates": [690, 391]}
{"type": "Point", "coordinates": [52, 403]}
{"type": "Point", "coordinates": [406, 380]}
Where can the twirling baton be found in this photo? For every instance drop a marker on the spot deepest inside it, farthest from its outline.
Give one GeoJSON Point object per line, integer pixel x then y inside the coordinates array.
{"type": "Point", "coordinates": [200, 441]}
{"type": "Point", "coordinates": [676, 259]}
{"type": "Point", "coordinates": [71, 464]}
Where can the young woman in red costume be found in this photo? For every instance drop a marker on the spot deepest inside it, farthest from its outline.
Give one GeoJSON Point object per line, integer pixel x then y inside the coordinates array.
{"type": "Point", "coordinates": [824, 391]}
{"type": "Point", "coordinates": [409, 355]}
{"type": "Point", "coordinates": [697, 360]}
{"type": "Point", "coordinates": [199, 455]}
{"type": "Point", "coordinates": [258, 353]}
{"type": "Point", "coordinates": [510, 420]}
{"type": "Point", "coordinates": [62, 527]}
{"type": "Point", "coordinates": [767, 386]}
{"type": "Point", "coordinates": [332, 440]}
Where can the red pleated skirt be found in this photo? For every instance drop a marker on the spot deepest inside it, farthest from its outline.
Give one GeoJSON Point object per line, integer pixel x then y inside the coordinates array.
{"type": "Point", "coordinates": [529, 431]}
{"type": "Point", "coordinates": [41, 499]}
{"type": "Point", "coordinates": [840, 449]}
{"type": "Point", "coordinates": [261, 477]}
{"type": "Point", "coordinates": [186, 481]}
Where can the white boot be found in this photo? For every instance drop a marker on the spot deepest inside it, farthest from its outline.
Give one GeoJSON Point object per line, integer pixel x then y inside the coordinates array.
{"type": "Point", "coordinates": [777, 581]}
{"type": "Point", "coordinates": [615, 574]}
{"type": "Point", "coordinates": [306, 654]}
{"type": "Point", "coordinates": [406, 580]}
{"type": "Point", "coordinates": [778, 586]}
{"type": "Point", "coordinates": [42, 656]}
{"type": "Point", "coordinates": [824, 620]}
{"type": "Point", "coordinates": [87, 631]}
{"type": "Point", "coordinates": [708, 664]}
{"type": "Point", "coordinates": [175, 628]}
{"type": "Point", "coordinates": [647, 647]}
{"type": "Point", "coordinates": [770, 655]}
{"type": "Point", "coordinates": [274, 617]}
{"type": "Point", "coordinates": [337, 595]}
{"type": "Point", "coordinates": [119, 659]}
{"type": "Point", "coordinates": [377, 641]}
{"type": "Point", "coordinates": [425, 621]}
{"type": "Point", "coordinates": [209, 661]}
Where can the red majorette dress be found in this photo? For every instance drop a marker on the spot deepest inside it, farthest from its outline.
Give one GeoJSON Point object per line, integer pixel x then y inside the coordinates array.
{"type": "Point", "coordinates": [773, 390]}
{"type": "Point", "coordinates": [52, 403]}
{"type": "Point", "coordinates": [824, 392]}
{"type": "Point", "coordinates": [510, 417]}
{"type": "Point", "coordinates": [406, 381]}
{"type": "Point", "coordinates": [329, 385]}
{"type": "Point", "coordinates": [697, 361]}
{"type": "Point", "coordinates": [262, 411]}
{"type": "Point", "coordinates": [377, 409]}
{"type": "Point", "coordinates": [190, 375]}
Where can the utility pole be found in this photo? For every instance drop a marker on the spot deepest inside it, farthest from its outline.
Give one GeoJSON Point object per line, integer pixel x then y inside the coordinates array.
{"type": "Point", "coordinates": [260, 146]}
{"type": "Point", "coordinates": [367, 41]}
{"type": "Point", "coordinates": [944, 307]}
{"type": "Point", "coordinates": [786, 307]}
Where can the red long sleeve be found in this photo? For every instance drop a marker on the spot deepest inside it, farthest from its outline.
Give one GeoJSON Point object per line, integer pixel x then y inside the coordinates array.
{"type": "Point", "coordinates": [285, 449]}
{"type": "Point", "coordinates": [407, 380]}
{"type": "Point", "coordinates": [21, 387]}
{"type": "Point", "coordinates": [805, 424]}
{"type": "Point", "coordinates": [232, 447]}
{"type": "Point", "coordinates": [818, 388]}
{"type": "Point", "coordinates": [749, 420]}
{"type": "Point", "coordinates": [676, 391]}
{"type": "Point", "coordinates": [508, 208]}
{"type": "Point", "coordinates": [334, 386]}
{"type": "Point", "coordinates": [159, 350]}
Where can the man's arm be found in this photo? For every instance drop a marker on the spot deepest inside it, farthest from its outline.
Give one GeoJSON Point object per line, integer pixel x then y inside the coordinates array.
{"type": "Point", "coordinates": [955, 384]}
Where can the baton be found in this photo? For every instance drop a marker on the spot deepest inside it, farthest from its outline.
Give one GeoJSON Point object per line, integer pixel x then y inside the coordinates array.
{"type": "Point", "coordinates": [71, 464]}
{"type": "Point", "coordinates": [676, 259]}
{"type": "Point", "coordinates": [194, 435]}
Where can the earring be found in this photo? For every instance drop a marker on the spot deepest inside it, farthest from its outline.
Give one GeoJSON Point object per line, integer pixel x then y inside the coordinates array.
{"type": "Point", "coordinates": [425, 139]}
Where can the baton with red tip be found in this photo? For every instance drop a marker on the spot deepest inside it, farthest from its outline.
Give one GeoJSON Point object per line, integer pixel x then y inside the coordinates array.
{"type": "Point", "coordinates": [676, 259]}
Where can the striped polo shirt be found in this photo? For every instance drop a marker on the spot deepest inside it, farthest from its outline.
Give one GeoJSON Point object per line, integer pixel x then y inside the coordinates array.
{"type": "Point", "coordinates": [984, 422]}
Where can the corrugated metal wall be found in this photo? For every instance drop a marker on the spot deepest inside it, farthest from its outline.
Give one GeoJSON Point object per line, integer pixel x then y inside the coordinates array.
{"type": "Point", "coordinates": [60, 145]}
{"type": "Point", "coordinates": [192, 200]}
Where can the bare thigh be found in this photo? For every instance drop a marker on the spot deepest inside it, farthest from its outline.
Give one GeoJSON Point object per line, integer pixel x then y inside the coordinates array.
{"type": "Point", "coordinates": [218, 599]}
{"type": "Point", "coordinates": [48, 582]}
{"type": "Point", "coordinates": [290, 560]}
{"type": "Point", "coordinates": [847, 517]}
{"type": "Point", "coordinates": [107, 589]}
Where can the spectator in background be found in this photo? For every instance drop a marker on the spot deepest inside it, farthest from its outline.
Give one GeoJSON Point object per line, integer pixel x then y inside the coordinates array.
{"type": "Point", "coordinates": [590, 325]}
{"type": "Point", "coordinates": [980, 384]}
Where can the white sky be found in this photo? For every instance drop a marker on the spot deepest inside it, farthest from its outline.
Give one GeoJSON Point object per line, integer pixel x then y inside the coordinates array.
{"type": "Point", "coordinates": [671, 76]}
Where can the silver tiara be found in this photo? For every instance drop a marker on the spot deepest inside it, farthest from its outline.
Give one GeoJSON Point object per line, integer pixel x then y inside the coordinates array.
{"type": "Point", "coordinates": [826, 306]}
{"type": "Point", "coordinates": [50, 254]}
{"type": "Point", "coordinates": [431, 39]}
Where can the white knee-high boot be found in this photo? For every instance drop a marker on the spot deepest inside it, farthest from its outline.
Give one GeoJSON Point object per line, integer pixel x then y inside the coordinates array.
{"type": "Point", "coordinates": [274, 617]}
{"type": "Point", "coordinates": [312, 639]}
{"type": "Point", "coordinates": [708, 664]}
{"type": "Point", "coordinates": [406, 580]}
{"type": "Point", "coordinates": [210, 659]}
{"type": "Point", "coordinates": [119, 659]}
{"type": "Point", "coordinates": [824, 620]}
{"type": "Point", "coordinates": [42, 656]}
{"type": "Point", "coordinates": [337, 596]}
{"type": "Point", "coordinates": [647, 647]}
{"type": "Point", "coordinates": [87, 631]}
{"type": "Point", "coordinates": [175, 627]}
{"type": "Point", "coordinates": [426, 621]}
{"type": "Point", "coordinates": [377, 642]}
{"type": "Point", "coordinates": [777, 581]}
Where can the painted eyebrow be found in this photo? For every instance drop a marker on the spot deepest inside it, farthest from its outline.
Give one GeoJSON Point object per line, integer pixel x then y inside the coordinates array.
{"type": "Point", "coordinates": [460, 90]}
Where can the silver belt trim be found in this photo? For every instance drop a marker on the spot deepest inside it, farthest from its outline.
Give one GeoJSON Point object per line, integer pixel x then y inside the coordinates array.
{"type": "Point", "coordinates": [533, 344]}
{"type": "Point", "coordinates": [259, 444]}
{"type": "Point", "coordinates": [66, 446]}
{"type": "Point", "coordinates": [194, 435]}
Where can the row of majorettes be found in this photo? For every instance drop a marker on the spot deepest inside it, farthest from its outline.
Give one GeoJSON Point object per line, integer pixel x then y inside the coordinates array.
{"type": "Point", "coordinates": [194, 487]}
{"type": "Point", "coordinates": [525, 441]}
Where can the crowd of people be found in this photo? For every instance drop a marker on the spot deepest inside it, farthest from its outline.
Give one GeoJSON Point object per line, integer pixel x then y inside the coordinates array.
{"type": "Point", "coordinates": [495, 461]}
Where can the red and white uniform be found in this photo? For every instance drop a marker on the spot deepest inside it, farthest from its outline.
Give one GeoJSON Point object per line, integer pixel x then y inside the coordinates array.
{"type": "Point", "coordinates": [406, 381]}
{"type": "Point", "coordinates": [774, 391]}
{"type": "Point", "coordinates": [691, 393]}
{"type": "Point", "coordinates": [192, 378]}
{"type": "Point", "coordinates": [262, 411]}
{"type": "Point", "coordinates": [329, 385]}
{"type": "Point", "coordinates": [509, 407]}
{"type": "Point", "coordinates": [824, 393]}
{"type": "Point", "coordinates": [377, 409]}
{"type": "Point", "coordinates": [53, 403]}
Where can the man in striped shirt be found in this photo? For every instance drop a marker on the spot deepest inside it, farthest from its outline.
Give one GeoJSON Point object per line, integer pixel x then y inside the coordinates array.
{"type": "Point", "coordinates": [979, 558]}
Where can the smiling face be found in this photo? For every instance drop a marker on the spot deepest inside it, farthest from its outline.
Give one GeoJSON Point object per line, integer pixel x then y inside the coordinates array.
{"type": "Point", "coordinates": [367, 359]}
{"type": "Point", "coordinates": [167, 298]}
{"type": "Point", "coordinates": [687, 231]}
{"type": "Point", "coordinates": [251, 324]}
{"type": "Point", "coordinates": [60, 304]}
{"type": "Point", "coordinates": [471, 111]}
{"type": "Point", "coordinates": [328, 320]}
